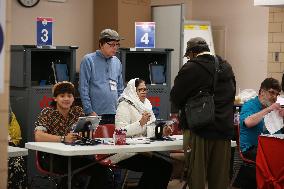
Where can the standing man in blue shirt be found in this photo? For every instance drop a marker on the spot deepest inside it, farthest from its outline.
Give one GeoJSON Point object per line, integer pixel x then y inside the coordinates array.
{"type": "Point", "coordinates": [101, 81]}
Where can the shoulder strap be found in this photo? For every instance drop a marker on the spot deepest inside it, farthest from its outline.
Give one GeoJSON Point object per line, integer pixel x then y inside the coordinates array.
{"type": "Point", "coordinates": [128, 101]}
{"type": "Point", "coordinates": [217, 70]}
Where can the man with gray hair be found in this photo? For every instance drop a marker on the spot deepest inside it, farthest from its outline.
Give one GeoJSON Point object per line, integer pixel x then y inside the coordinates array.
{"type": "Point", "coordinates": [209, 159]}
{"type": "Point", "coordinates": [101, 81]}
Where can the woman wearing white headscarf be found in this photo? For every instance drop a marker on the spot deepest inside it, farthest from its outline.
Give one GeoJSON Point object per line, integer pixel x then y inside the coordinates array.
{"type": "Point", "coordinates": [134, 113]}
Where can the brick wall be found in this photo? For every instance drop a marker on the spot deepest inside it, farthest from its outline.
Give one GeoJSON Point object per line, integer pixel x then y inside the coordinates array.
{"type": "Point", "coordinates": [276, 43]}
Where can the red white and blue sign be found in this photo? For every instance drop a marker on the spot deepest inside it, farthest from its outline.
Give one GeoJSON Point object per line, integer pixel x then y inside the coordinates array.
{"type": "Point", "coordinates": [44, 31]}
{"type": "Point", "coordinates": [145, 34]}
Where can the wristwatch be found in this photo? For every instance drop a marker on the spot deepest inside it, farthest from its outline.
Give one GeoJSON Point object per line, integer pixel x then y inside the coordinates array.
{"type": "Point", "coordinates": [62, 139]}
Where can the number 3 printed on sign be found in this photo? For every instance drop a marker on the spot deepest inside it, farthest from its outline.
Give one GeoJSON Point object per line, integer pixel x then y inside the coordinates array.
{"type": "Point", "coordinates": [44, 31]}
{"type": "Point", "coordinates": [145, 39]}
{"type": "Point", "coordinates": [44, 38]}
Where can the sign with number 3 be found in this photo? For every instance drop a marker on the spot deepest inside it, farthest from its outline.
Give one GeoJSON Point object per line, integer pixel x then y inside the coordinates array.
{"type": "Point", "coordinates": [44, 31]}
{"type": "Point", "coordinates": [145, 34]}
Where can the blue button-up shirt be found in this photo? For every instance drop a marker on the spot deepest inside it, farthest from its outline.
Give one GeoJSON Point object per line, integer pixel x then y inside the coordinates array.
{"type": "Point", "coordinates": [96, 73]}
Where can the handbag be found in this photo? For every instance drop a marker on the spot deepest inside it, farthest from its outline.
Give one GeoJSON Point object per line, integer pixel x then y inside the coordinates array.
{"type": "Point", "coordinates": [200, 109]}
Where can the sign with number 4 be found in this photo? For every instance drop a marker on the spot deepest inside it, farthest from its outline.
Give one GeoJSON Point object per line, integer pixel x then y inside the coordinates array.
{"type": "Point", "coordinates": [44, 31]}
{"type": "Point", "coordinates": [145, 34]}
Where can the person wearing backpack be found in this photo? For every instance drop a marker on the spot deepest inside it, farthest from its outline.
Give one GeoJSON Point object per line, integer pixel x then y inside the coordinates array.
{"type": "Point", "coordinates": [210, 144]}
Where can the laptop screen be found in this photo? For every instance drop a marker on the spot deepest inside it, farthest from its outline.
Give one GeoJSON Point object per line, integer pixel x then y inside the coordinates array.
{"type": "Point", "coordinates": [157, 73]}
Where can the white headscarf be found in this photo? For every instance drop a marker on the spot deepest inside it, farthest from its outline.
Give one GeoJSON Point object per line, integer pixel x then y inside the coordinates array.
{"type": "Point", "coordinates": [130, 94]}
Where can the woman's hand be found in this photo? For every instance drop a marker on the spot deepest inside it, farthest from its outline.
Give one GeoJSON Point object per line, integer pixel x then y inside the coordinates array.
{"type": "Point", "coordinates": [281, 112]}
{"type": "Point", "coordinates": [71, 137]}
{"type": "Point", "coordinates": [167, 130]}
{"type": "Point", "coordinates": [145, 118]}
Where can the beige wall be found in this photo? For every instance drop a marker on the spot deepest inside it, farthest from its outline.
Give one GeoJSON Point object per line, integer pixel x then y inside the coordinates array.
{"type": "Point", "coordinates": [246, 36]}
{"type": "Point", "coordinates": [121, 16]}
{"type": "Point", "coordinates": [129, 12]}
{"type": "Point", "coordinates": [73, 24]}
{"type": "Point", "coordinates": [102, 20]}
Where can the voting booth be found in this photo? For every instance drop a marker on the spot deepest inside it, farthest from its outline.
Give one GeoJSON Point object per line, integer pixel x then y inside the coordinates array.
{"type": "Point", "coordinates": [154, 67]}
{"type": "Point", "coordinates": [33, 72]}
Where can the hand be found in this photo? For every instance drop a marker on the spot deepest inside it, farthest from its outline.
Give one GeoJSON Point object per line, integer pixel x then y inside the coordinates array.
{"type": "Point", "coordinates": [281, 112]}
{"type": "Point", "coordinates": [274, 106]}
{"type": "Point", "coordinates": [71, 137]}
{"type": "Point", "coordinates": [145, 118]}
{"type": "Point", "coordinates": [93, 114]}
{"type": "Point", "coordinates": [167, 130]}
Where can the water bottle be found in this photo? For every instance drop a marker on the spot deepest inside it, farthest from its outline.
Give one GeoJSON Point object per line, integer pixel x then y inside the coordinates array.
{"type": "Point", "coordinates": [237, 116]}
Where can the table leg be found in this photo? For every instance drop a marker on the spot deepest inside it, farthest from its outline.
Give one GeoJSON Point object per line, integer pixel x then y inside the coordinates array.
{"type": "Point", "coordinates": [69, 172]}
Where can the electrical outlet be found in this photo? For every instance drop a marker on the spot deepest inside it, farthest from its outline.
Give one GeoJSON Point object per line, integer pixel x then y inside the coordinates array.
{"type": "Point", "coordinates": [276, 56]}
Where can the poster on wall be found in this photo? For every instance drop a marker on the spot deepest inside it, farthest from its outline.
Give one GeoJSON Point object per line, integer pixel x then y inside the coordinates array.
{"type": "Point", "coordinates": [2, 51]}
{"type": "Point", "coordinates": [197, 29]}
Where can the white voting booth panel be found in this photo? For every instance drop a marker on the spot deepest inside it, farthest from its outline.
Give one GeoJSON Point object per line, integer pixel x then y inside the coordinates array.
{"type": "Point", "coordinates": [168, 32]}
{"type": "Point", "coordinates": [193, 29]}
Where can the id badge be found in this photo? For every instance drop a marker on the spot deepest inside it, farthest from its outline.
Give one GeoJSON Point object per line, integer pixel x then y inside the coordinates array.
{"type": "Point", "coordinates": [113, 85]}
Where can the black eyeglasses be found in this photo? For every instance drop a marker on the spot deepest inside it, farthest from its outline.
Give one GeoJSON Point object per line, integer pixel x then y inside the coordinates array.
{"type": "Point", "coordinates": [142, 90]}
{"type": "Point", "coordinates": [273, 92]}
{"type": "Point", "coordinates": [113, 44]}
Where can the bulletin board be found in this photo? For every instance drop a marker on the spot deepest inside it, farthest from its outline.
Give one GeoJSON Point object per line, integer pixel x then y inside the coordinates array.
{"type": "Point", "coordinates": [193, 29]}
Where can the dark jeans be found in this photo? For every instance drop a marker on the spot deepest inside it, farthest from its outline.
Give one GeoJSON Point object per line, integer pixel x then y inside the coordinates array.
{"type": "Point", "coordinates": [100, 176]}
{"type": "Point", "coordinates": [107, 119]}
{"type": "Point", "coordinates": [156, 171]}
{"type": "Point", "coordinates": [250, 153]}
{"type": "Point", "coordinates": [247, 171]}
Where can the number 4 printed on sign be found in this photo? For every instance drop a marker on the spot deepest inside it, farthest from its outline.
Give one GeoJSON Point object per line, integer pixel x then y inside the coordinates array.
{"type": "Point", "coordinates": [145, 34]}
{"type": "Point", "coordinates": [145, 38]}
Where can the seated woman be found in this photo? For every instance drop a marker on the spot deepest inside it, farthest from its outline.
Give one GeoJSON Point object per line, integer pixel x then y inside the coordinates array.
{"type": "Point", "coordinates": [134, 113]}
{"type": "Point", "coordinates": [54, 125]}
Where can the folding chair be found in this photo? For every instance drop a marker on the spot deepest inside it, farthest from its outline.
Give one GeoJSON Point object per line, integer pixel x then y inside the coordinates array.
{"type": "Point", "coordinates": [178, 156]}
{"type": "Point", "coordinates": [107, 131]}
{"type": "Point", "coordinates": [47, 175]}
{"type": "Point", "coordinates": [104, 131]}
{"type": "Point", "coordinates": [248, 166]}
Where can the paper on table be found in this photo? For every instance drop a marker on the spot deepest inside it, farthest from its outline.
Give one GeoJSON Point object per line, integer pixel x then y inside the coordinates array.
{"type": "Point", "coordinates": [140, 140]}
{"type": "Point", "coordinates": [280, 100]}
{"type": "Point", "coordinates": [273, 122]}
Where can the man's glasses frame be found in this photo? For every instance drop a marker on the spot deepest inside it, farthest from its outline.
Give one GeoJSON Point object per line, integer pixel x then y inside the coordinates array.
{"type": "Point", "coordinates": [273, 92]}
{"type": "Point", "coordinates": [113, 44]}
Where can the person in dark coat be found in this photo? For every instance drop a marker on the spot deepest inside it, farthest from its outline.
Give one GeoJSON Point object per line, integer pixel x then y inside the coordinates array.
{"type": "Point", "coordinates": [209, 160]}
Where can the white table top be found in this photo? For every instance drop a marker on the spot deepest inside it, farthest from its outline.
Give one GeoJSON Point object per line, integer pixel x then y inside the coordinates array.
{"type": "Point", "coordinates": [16, 151]}
{"type": "Point", "coordinates": [68, 150]}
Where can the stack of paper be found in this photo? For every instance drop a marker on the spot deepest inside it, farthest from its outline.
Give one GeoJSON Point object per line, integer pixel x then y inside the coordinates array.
{"type": "Point", "coordinates": [273, 122]}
